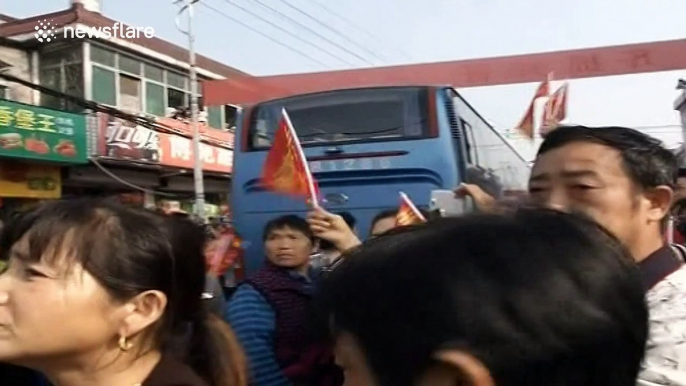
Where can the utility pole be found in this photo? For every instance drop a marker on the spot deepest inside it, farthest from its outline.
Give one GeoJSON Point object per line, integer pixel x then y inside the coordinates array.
{"type": "Point", "coordinates": [197, 159]}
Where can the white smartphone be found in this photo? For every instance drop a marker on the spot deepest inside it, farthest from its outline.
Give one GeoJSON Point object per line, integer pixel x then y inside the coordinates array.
{"type": "Point", "coordinates": [445, 203]}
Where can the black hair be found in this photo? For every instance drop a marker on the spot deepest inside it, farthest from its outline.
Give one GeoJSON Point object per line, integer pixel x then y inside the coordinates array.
{"type": "Point", "coordinates": [681, 173]}
{"type": "Point", "coordinates": [129, 251]}
{"type": "Point", "coordinates": [388, 213]}
{"type": "Point", "coordinates": [349, 219]}
{"type": "Point", "coordinates": [540, 297]}
{"type": "Point", "coordinates": [290, 221]}
{"type": "Point", "coordinates": [646, 161]}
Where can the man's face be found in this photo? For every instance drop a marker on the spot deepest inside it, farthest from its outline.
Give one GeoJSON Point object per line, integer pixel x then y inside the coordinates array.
{"type": "Point", "coordinates": [590, 178]}
{"type": "Point", "coordinates": [288, 248]}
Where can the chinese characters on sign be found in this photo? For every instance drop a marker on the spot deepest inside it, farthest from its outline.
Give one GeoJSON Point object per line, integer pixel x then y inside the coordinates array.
{"type": "Point", "coordinates": [126, 140]}
{"type": "Point", "coordinates": [28, 131]}
{"type": "Point", "coordinates": [178, 151]}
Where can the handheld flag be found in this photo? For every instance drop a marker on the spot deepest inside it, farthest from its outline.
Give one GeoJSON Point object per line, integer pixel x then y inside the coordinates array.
{"type": "Point", "coordinates": [526, 124]}
{"type": "Point", "coordinates": [555, 110]}
{"type": "Point", "coordinates": [408, 214]}
{"type": "Point", "coordinates": [285, 170]}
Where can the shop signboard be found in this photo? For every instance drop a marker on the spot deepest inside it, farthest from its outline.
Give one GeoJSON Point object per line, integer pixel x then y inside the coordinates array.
{"type": "Point", "coordinates": [178, 151]}
{"type": "Point", "coordinates": [206, 132]}
{"type": "Point", "coordinates": [37, 133]}
{"type": "Point", "coordinates": [123, 139]}
{"type": "Point", "coordinates": [23, 180]}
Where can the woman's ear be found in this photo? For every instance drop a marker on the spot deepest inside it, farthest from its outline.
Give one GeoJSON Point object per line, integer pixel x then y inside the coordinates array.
{"type": "Point", "coordinates": [455, 367]}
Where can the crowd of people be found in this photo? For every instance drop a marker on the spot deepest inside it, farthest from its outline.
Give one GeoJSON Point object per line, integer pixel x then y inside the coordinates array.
{"type": "Point", "coordinates": [576, 284]}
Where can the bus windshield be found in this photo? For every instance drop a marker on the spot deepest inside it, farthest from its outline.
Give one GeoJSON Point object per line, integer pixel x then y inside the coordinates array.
{"type": "Point", "coordinates": [345, 116]}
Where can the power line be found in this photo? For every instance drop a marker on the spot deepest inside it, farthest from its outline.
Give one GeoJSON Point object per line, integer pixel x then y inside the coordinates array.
{"type": "Point", "coordinates": [341, 47]}
{"type": "Point", "coordinates": [257, 16]}
{"type": "Point", "coordinates": [335, 31]}
{"type": "Point", "coordinates": [354, 25]}
{"type": "Point", "coordinates": [257, 31]}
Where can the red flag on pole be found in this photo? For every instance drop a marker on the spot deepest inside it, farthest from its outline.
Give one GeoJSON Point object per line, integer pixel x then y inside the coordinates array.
{"type": "Point", "coordinates": [555, 110]}
{"type": "Point", "coordinates": [408, 214]}
{"type": "Point", "coordinates": [286, 170]}
{"type": "Point", "coordinates": [526, 124]}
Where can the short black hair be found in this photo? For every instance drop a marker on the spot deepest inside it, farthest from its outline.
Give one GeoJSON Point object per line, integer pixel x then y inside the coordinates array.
{"type": "Point", "coordinates": [647, 162]}
{"type": "Point", "coordinates": [681, 173]}
{"type": "Point", "coordinates": [349, 219]}
{"type": "Point", "coordinates": [540, 297]}
{"type": "Point", "coordinates": [291, 221]}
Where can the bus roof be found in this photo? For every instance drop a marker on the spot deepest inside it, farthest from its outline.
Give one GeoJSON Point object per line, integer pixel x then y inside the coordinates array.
{"type": "Point", "coordinates": [350, 89]}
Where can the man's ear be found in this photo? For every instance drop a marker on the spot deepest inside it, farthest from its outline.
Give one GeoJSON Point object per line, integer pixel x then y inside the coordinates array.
{"type": "Point", "coordinates": [455, 367]}
{"type": "Point", "coordinates": [659, 201]}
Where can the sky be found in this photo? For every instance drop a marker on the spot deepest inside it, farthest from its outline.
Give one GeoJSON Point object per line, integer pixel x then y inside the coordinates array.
{"type": "Point", "coordinates": [335, 34]}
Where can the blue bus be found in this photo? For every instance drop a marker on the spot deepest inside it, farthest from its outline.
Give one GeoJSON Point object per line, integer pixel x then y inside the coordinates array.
{"type": "Point", "coordinates": [363, 147]}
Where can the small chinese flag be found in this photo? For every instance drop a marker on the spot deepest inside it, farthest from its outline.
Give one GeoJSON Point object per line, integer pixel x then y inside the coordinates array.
{"type": "Point", "coordinates": [555, 110]}
{"type": "Point", "coordinates": [408, 214]}
{"type": "Point", "coordinates": [286, 171]}
{"type": "Point", "coordinates": [526, 124]}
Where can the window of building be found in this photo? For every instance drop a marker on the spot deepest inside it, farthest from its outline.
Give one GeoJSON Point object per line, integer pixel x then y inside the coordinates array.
{"type": "Point", "coordinates": [103, 56]}
{"type": "Point", "coordinates": [154, 99]}
{"type": "Point", "coordinates": [133, 84]}
{"type": "Point", "coordinates": [176, 98]}
{"type": "Point", "coordinates": [129, 64]}
{"type": "Point", "coordinates": [154, 73]}
{"type": "Point", "coordinates": [176, 80]}
{"type": "Point", "coordinates": [104, 86]}
{"type": "Point", "coordinates": [214, 117]}
{"type": "Point", "coordinates": [130, 93]}
{"type": "Point", "coordinates": [61, 69]}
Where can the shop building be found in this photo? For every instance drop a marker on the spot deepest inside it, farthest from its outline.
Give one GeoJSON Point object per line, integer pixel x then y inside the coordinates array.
{"type": "Point", "coordinates": [145, 76]}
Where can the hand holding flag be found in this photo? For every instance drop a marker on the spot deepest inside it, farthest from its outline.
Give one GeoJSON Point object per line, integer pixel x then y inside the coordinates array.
{"type": "Point", "coordinates": [286, 170]}
{"type": "Point", "coordinates": [408, 214]}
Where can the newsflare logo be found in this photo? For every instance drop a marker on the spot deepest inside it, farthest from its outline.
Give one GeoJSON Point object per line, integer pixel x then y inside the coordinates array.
{"type": "Point", "coordinates": [45, 31]}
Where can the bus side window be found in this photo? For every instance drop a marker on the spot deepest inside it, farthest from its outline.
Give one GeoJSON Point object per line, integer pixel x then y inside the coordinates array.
{"type": "Point", "coordinates": [469, 145]}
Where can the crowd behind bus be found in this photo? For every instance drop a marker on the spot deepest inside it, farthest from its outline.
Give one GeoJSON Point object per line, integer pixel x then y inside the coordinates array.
{"type": "Point", "coordinates": [574, 285]}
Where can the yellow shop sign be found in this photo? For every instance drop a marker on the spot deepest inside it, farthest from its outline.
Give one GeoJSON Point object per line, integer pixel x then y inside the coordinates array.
{"type": "Point", "coordinates": [29, 181]}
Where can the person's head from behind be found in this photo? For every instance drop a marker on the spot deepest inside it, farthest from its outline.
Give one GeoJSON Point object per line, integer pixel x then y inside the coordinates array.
{"type": "Point", "coordinates": [288, 242]}
{"type": "Point", "coordinates": [535, 298]}
{"type": "Point", "coordinates": [385, 220]}
{"type": "Point", "coordinates": [93, 285]}
{"type": "Point", "coordinates": [620, 177]}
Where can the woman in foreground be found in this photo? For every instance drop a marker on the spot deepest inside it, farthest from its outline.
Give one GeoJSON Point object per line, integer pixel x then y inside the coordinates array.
{"type": "Point", "coordinates": [97, 294]}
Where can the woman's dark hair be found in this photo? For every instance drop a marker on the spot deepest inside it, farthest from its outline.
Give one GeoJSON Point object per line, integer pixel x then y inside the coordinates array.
{"type": "Point", "coordinates": [540, 297]}
{"type": "Point", "coordinates": [129, 251]}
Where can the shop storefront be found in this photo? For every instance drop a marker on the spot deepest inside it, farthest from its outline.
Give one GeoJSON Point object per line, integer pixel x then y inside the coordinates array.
{"type": "Point", "coordinates": [35, 143]}
{"type": "Point", "coordinates": [129, 158]}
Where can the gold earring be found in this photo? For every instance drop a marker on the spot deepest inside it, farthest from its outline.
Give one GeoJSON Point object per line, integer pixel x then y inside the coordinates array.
{"type": "Point", "coordinates": [124, 344]}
